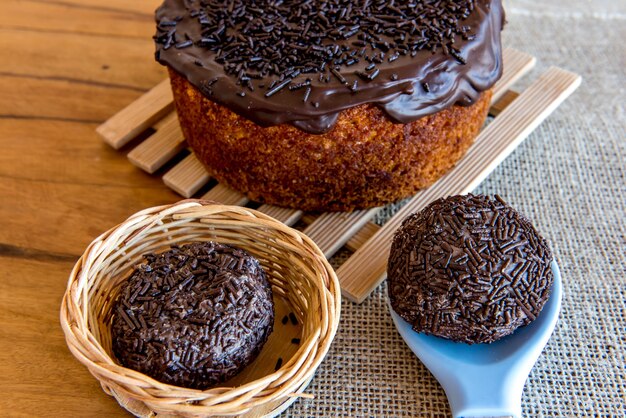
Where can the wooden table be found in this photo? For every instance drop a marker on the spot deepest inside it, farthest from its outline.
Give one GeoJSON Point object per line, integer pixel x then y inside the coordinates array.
{"type": "Point", "coordinates": [65, 67]}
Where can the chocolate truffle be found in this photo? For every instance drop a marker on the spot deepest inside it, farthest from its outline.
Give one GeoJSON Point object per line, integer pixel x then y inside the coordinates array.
{"type": "Point", "coordinates": [468, 268]}
{"type": "Point", "coordinates": [193, 316]}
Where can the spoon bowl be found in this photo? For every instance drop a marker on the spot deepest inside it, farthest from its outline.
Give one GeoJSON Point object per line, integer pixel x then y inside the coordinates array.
{"type": "Point", "coordinates": [486, 380]}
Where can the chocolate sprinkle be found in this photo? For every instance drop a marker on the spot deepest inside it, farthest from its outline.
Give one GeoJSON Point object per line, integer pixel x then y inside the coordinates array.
{"type": "Point", "coordinates": [279, 363]}
{"type": "Point", "coordinates": [469, 268]}
{"type": "Point", "coordinates": [293, 318]}
{"type": "Point", "coordinates": [193, 316]}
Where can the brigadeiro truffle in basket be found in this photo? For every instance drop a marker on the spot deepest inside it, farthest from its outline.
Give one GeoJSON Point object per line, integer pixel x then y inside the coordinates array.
{"type": "Point", "coordinates": [193, 316]}
{"type": "Point", "coordinates": [469, 268]}
{"type": "Point", "coordinates": [330, 105]}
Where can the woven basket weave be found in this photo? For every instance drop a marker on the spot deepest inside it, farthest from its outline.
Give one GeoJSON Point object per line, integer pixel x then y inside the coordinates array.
{"type": "Point", "coordinates": [296, 268]}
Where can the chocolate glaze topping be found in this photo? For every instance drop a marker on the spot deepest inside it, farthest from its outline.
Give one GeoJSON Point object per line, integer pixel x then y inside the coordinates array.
{"type": "Point", "coordinates": [302, 62]}
{"type": "Point", "coordinates": [469, 268]}
{"type": "Point", "coordinates": [193, 316]}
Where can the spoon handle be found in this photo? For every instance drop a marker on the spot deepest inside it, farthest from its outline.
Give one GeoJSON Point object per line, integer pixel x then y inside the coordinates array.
{"type": "Point", "coordinates": [507, 416]}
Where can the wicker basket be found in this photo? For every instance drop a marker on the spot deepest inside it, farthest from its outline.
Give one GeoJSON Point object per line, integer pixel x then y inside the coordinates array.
{"type": "Point", "coordinates": [302, 280]}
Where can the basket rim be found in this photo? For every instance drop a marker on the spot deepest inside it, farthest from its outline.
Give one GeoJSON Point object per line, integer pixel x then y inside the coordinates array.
{"type": "Point", "coordinates": [117, 380]}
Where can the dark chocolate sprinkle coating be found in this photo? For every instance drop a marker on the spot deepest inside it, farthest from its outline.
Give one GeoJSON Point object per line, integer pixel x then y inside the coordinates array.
{"type": "Point", "coordinates": [193, 316]}
{"type": "Point", "coordinates": [351, 52]}
{"type": "Point", "coordinates": [468, 268]}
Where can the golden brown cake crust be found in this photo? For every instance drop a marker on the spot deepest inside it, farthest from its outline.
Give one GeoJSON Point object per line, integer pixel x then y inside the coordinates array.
{"type": "Point", "coordinates": [364, 161]}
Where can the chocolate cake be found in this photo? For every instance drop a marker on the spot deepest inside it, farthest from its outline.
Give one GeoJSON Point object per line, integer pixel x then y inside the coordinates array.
{"type": "Point", "coordinates": [468, 268]}
{"type": "Point", "coordinates": [330, 105]}
{"type": "Point", "coordinates": [193, 316]}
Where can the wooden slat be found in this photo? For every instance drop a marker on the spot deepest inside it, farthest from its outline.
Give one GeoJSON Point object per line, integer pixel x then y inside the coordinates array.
{"type": "Point", "coordinates": [330, 231]}
{"type": "Point", "coordinates": [359, 239]}
{"type": "Point", "coordinates": [505, 100]}
{"type": "Point", "coordinates": [284, 215]}
{"type": "Point", "coordinates": [160, 147]}
{"type": "Point", "coordinates": [137, 116]}
{"type": "Point", "coordinates": [187, 177]}
{"type": "Point", "coordinates": [364, 271]}
{"type": "Point", "coordinates": [226, 195]}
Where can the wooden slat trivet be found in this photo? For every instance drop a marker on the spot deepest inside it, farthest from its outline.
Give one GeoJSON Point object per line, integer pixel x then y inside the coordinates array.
{"type": "Point", "coordinates": [501, 104]}
{"type": "Point", "coordinates": [331, 231]}
{"type": "Point", "coordinates": [138, 116]}
{"type": "Point", "coordinates": [227, 196]}
{"type": "Point", "coordinates": [285, 215]}
{"type": "Point", "coordinates": [160, 147]}
{"type": "Point", "coordinates": [363, 271]}
{"type": "Point", "coordinates": [223, 194]}
{"type": "Point", "coordinates": [187, 177]}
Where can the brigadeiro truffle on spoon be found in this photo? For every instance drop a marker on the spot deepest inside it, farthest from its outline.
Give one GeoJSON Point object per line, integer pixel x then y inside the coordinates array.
{"type": "Point", "coordinates": [468, 268]}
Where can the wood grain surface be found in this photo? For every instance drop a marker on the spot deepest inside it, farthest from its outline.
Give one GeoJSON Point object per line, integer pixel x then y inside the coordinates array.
{"type": "Point", "coordinates": [65, 67]}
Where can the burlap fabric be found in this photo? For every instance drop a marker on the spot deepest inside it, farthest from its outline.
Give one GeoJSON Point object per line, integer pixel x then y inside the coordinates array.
{"type": "Point", "coordinates": [569, 178]}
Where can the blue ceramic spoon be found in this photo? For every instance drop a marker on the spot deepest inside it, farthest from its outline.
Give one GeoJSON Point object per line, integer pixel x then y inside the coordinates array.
{"type": "Point", "coordinates": [486, 380]}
